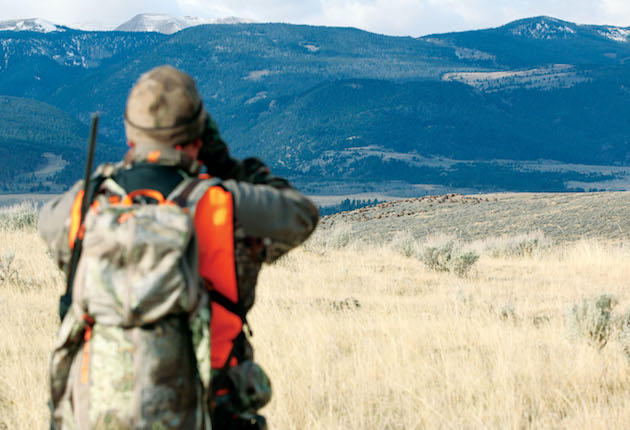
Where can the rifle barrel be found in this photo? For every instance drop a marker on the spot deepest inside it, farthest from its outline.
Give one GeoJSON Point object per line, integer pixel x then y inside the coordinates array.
{"type": "Point", "coordinates": [88, 166]}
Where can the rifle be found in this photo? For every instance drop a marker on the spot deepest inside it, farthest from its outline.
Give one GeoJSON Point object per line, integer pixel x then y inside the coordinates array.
{"type": "Point", "coordinates": [88, 166]}
{"type": "Point", "coordinates": [66, 300]}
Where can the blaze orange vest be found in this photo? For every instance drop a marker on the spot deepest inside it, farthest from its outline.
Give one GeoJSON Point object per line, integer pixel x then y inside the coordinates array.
{"type": "Point", "coordinates": [214, 226]}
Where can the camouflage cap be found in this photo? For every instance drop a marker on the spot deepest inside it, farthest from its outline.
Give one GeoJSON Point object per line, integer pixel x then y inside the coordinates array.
{"type": "Point", "coordinates": [164, 108]}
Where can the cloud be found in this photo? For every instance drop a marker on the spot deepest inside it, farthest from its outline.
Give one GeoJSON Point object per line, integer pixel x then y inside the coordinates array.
{"type": "Point", "coordinates": [264, 10]}
{"type": "Point", "coordinates": [399, 17]}
{"type": "Point", "coordinates": [419, 17]}
{"type": "Point", "coordinates": [415, 17]}
{"type": "Point", "coordinates": [616, 11]}
{"type": "Point", "coordinates": [385, 16]}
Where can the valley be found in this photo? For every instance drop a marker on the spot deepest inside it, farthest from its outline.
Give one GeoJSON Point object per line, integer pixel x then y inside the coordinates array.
{"type": "Point", "coordinates": [535, 105]}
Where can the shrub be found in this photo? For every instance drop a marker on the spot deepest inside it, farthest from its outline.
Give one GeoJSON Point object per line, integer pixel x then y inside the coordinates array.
{"type": "Point", "coordinates": [508, 312]}
{"type": "Point", "coordinates": [22, 216]}
{"type": "Point", "coordinates": [405, 244]}
{"type": "Point", "coordinates": [448, 258]}
{"type": "Point", "coordinates": [596, 320]}
{"type": "Point", "coordinates": [437, 258]}
{"type": "Point", "coordinates": [7, 272]}
{"type": "Point", "coordinates": [592, 319]}
{"type": "Point", "coordinates": [461, 264]}
{"type": "Point", "coordinates": [522, 245]}
{"type": "Point", "coordinates": [623, 332]}
{"type": "Point", "coordinates": [337, 236]}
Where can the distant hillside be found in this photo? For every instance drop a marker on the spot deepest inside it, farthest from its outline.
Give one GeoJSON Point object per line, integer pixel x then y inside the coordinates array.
{"type": "Point", "coordinates": [560, 217]}
{"type": "Point", "coordinates": [41, 146]}
{"type": "Point", "coordinates": [432, 118]}
{"type": "Point", "coordinates": [540, 41]}
{"type": "Point", "coordinates": [536, 105]}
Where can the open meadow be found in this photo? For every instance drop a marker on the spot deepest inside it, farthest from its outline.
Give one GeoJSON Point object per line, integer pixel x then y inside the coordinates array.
{"type": "Point", "coordinates": [411, 328]}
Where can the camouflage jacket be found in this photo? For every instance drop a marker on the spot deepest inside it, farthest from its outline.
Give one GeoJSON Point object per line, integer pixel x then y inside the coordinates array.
{"type": "Point", "coordinates": [269, 221]}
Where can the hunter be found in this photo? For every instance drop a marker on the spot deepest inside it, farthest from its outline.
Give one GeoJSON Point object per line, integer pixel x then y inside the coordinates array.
{"type": "Point", "coordinates": [168, 263]}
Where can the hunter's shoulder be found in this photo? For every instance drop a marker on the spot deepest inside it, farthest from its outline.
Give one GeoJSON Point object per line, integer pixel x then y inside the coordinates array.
{"type": "Point", "coordinates": [55, 211]}
{"type": "Point", "coordinates": [54, 223]}
{"type": "Point", "coordinates": [64, 199]}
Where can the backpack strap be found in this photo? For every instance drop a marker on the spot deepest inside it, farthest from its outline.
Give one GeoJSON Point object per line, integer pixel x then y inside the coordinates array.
{"type": "Point", "coordinates": [191, 190]}
{"type": "Point", "coordinates": [236, 308]}
{"type": "Point", "coordinates": [188, 194]}
{"type": "Point", "coordinates": [102, 174]}
{"type": "Point", "coordinates": [152, 194]}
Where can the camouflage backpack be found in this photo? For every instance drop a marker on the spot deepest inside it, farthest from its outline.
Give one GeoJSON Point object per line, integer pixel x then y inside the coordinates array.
{"type": "Point", "coordinates": [133, 351]}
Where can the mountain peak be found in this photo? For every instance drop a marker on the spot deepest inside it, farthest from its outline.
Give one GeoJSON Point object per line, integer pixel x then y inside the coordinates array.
{"type": "Point", "coordinates": [169, 24]}
{"type": "Point", "coordinates": [542, 27]}
{"type": "Point", "coordinates": [160, 23]}
{"type": "Point", "coordinates": [31, 24]}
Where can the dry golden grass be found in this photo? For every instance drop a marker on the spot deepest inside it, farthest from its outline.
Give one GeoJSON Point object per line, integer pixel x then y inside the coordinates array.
{"type": "Point", "coordinates": [428, 350]}
{"type": "Point", "coordinates": [28, 323]}
{"type": "Point", "coordinates": [362, 337]}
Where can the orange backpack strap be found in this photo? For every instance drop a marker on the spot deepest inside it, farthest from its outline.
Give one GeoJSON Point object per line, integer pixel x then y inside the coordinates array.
{"type": "Point", "coordinates": [75, 219]}
{"type": "Point", "coordinates": [214, 225]}
{"type": "Point", "coordinates": [76, 230]}
{"type": "Point", "coordinates": [152, 194]}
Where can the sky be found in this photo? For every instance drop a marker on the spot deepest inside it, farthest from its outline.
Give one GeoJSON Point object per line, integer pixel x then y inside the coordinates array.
{"type": "Point", "coordinates": [392, 17]}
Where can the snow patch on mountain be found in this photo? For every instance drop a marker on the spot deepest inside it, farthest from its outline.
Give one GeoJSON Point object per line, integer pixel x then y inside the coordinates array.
{"type": "Point", "coordinates": [92, 26]}
{"type": "Point", "coordinates": [258, 97]}
{"type": "Point", "coordinates": [168, 24]}
{"type": "Point", "coordinates": [257, 75]}
{"type": "Point", "coordinates": [74, 49]}
{"type": "Point", "coordinates": [543, 28]}
{"type": "Point", "coordinates": [33, 24]}
{"type": "Point", "coordinates": [615, 33]}
{"type": "Point", "coordinates": [310, 47]}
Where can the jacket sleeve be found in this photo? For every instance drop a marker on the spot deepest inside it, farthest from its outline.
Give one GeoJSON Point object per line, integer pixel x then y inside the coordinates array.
{"type": "Point", "coordinates": [54, 224]}
{"type": "Point", "coordinates": [284, 216]}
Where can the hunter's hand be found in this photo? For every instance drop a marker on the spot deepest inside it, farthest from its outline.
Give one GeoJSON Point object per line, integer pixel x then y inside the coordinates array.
{"type": "Point", "coordinates": [214, 152]}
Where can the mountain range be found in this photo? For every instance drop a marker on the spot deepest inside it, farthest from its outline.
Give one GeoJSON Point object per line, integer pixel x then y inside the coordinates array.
{"type": "Point", "coordinates": [144, 22]}
{"type": "Point", "coordinates": [539, 104]}
{"type": "Point", "coordinates": [169, 24]}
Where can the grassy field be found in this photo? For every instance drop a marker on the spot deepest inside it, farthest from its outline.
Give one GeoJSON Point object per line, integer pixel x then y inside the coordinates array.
{"type": "Point", "coordinates": [360, 335]}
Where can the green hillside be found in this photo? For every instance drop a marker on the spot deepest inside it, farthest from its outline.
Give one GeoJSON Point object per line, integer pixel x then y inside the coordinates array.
{"type": "Point", "coordinates": [489, 110]}
{"type": "Point", "coordinates": [42, 147]}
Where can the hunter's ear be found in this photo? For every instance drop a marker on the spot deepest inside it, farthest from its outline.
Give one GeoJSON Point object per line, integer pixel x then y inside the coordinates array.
{"type": "Point", "coordinates": [131, 144]}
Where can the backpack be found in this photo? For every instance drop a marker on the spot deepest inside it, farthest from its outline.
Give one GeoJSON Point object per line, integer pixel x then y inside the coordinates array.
{"type": "Point", "coordinates": [139, 260]}
{"type": "Point", "coordinates": [139, 314]}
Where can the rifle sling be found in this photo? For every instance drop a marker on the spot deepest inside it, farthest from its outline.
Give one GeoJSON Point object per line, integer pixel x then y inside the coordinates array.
{"type": "Point", "coordinates": [65, 301]}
